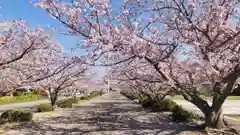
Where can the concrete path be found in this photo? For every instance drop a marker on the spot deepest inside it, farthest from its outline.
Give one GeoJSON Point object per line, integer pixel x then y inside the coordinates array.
{"type": "Point", "coordinates": [25, 105]}
{"type": "Point", "coordinates": [229, 106]}
{"type": "Point", "coordinates": [110, 114]}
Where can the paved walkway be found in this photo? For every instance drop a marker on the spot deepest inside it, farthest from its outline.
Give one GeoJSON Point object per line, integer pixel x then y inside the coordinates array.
{"type": "Point", "coordinates": [230, 107]}
{"type": "Point", "coordinates": [110, 114]}
{"type": "Point", "coordinates": [25, 105]}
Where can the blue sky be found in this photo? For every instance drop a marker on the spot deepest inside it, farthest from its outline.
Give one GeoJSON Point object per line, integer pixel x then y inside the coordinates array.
{"type": "Point", "coordinates": [22, 9]}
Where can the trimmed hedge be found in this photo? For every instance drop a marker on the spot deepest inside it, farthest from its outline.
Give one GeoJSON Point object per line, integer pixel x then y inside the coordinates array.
{"type": "Point", "coordinates": [73, 100]}
{"type": "Point", "coordinates": [45, 107]}
{"type": "Point", "coordinates": [166, 105]}
{"type": "Point", "coordinates": [94, 94]}
{"type": "Point", "coordinates": [181, 115]}
{"type": "Point", "coordinates": [17, 93]}
{"type": "Point", "coordinates": [178, 113]}
{"type": "Point", "coordinates": [157, 106]}
{"type": "Point", "coordinates": [26, 116]}
{"type": "Point", "coordinates": [16, 116]}
{"type": "Point", "coordinates": [67, 103]}
{"type": "Point", "coordinates": [130, 96]}
{"type": "Point", "coordinates": [84, 98]}
{"type": "Point", "coordinates": [147, 102]}
{"type": "Point", "coordinates": [64, 103]}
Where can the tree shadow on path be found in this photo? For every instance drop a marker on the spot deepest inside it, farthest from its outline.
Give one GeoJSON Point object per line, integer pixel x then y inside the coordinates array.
{"type": "Point", "coordinates": [117, 116]}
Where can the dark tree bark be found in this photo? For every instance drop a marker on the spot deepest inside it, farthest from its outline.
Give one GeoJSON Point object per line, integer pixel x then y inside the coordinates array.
{"type": "Point", "coordinates": [53, 98]}
{"type": "Point", "coordinates": [213, 114]}
{"type": "Point", "coordinates": [214, 118]}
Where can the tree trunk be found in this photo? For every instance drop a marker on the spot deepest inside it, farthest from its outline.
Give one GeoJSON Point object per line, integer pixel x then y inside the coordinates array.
{"type": "Point", "coordinates": [213, 114]}
{"type": "Point", "coordinates": [53, 98]}
{"type": "Point", "coordinates": [214, 118]}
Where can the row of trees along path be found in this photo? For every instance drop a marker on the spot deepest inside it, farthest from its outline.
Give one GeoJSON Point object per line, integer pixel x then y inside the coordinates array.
{"type": "Point", "coordinates": [173, 45]}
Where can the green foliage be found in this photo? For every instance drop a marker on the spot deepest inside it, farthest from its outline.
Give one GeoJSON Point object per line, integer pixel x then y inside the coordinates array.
{"type": "Point", "coordinates": [94, 94]}
{"type": "Point", "coordinates": [65, 103]}
{"type": "Point", "coordinates": [129, 95]}
{"type": "Point", "coordinates": [16, 116]}
{"type": "Point", "coordinates": [147, 102]}
{"type": "Point", "coordinates": [84, 98]}
{"type": "Point", "coordinates": [142, 98]}
{"type": "Point", "coordinates": [73, 100]}
{"type": "Point", "coordinates": [11, 115]}
{"type": "Point", "coordinates": [17, 93]}
{"type": "Point", "coordinates": [181, 115]}
{"type": "Point", "coordinates": [45, 107]}
{"type": "Point", "coordinates": [155, 105]}
{"type": "Point", "coordinates": [26, 116]}
{"type": "Point", "coordinates": [172, 93]}
{"type": "Point", "coordinates": [19, 99]}
{"type": "Point", "coordinates": [35, 91]}
{"type": "Point", "coordinates": [9, 94]}
{"type": "Point", "coordinates": [166, 105]}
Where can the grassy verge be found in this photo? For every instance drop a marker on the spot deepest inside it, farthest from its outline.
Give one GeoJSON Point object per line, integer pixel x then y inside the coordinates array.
{"type": "Point", "coordinates": [235, 116]}
{"type": "Point", "coordinates": [179, 97]}
{"type": "Point", "coordinates": [20, 99]}
{"type": "Point", "coordinates": [233, 98]}
{"type": "Point", "coordinates": [67, 103]}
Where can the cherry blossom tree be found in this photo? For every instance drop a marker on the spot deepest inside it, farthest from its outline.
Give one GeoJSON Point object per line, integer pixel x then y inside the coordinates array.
{"type": "Point", "coordinates": [31, 57]}
{"type": "Point", "coordinates": [155, 31]}
{"type": "Point", "coordinates": [19, 46]}
{"type": "Point", "coordinates": [140, 78]}
{"type": "Point", "coordinates": [18, 41]}
{"type": "Point", "coordinates": [54, 71]}
{"type": "Point", "coordinates": [211, 30]}
{"type": "Point", "coordinates": [67, 79]}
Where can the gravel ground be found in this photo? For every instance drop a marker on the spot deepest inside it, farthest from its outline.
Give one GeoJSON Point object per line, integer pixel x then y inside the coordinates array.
{"type": "Point", "coordinates": [110, 114]}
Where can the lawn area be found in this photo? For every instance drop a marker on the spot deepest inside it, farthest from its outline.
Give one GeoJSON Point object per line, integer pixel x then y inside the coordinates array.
{"type": "Point", "coordinates": [20, 99]}
{"type": "Point", "coordinates": [234, 116]}
{"type": "Point", "coordinates": [179, 97]}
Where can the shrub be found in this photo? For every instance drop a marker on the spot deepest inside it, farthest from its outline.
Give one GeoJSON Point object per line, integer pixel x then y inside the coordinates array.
{"type": "Point", "coordinates": [35, 91]}
{"type": "Point", "coordinates": [84, 98]}
{"type": "Point", "coordinates": [142, 98]}
{"type": "Point", "coordinates": [94, 94]}
{"type": "Point", "coordinates": [148, 102]}
{"type": "Point", "coordinates": [172, 93]}
{"type": "Point", "coordinates": [17, 93]}
{"type": "Point", "coordinates": [157, 106]}
{"type": "Point", "coordinates": [45, 107]}
{"type": "Point", "coordinates": [26, 116]}
{"type": "Point", "coordinates": [9, 94]}
{"type": "Point", "coordinates": [164, 105]}
{"type": "Point", "coordinates": [181, 115]}
{"type": "Point", "coordinates": [16, 116]}
{"type": "Point", "coordinates": [129, 95]}
{"type": "Point", "coordinates": [66, 103]}
{"type": "Point", "coordinates": [73, 100]}
{"type": "Point", "coordinates": [11, 115]}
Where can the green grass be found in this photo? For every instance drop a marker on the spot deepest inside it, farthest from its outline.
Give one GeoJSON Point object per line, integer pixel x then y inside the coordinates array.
{"type": "Point", "coordinates": [20, 99]}
{"type": "Point", "coordinates": [234, 116]}
{"type": "Point", "coordinates": [179, 97]}
{"type": "Point", "coordinates": [233, 98]}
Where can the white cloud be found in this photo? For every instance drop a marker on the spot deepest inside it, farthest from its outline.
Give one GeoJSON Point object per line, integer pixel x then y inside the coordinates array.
{"type": "Point", "coordinates": [5, 26]}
